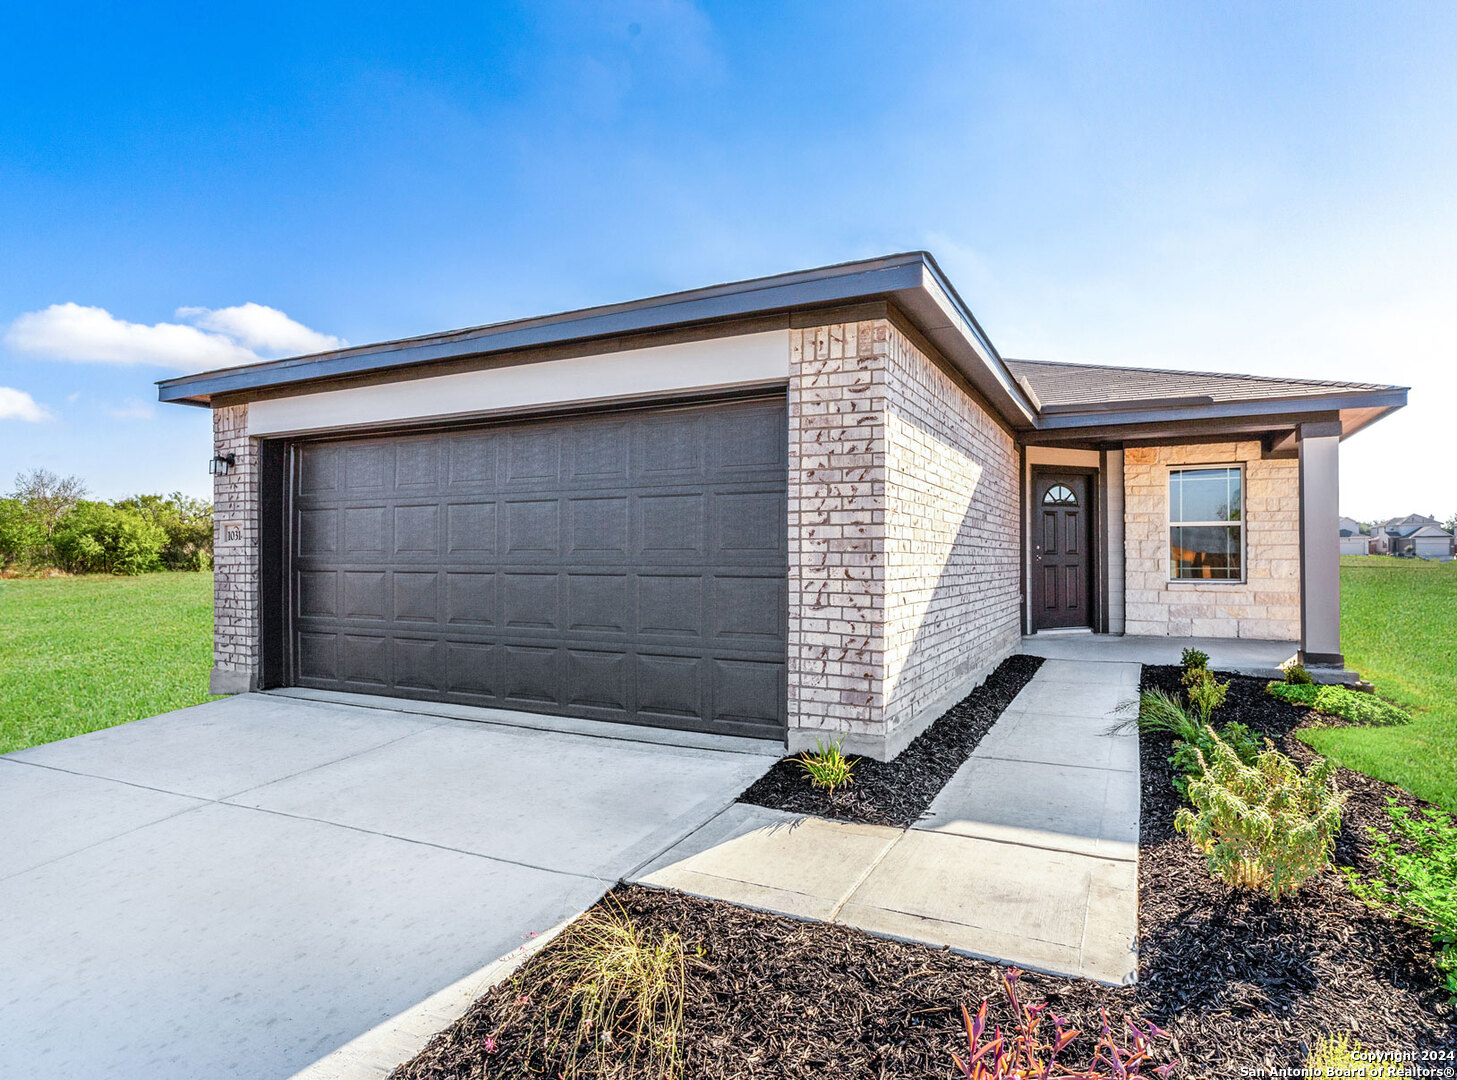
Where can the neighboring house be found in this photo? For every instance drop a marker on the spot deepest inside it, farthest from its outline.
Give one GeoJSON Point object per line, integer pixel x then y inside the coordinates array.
{"type": "Point", "coordinates": [1414, 535]}
{"type": "Point", "coordinates": [1354, 540]}
{"type": "Point", "coordinates": [778, 507]}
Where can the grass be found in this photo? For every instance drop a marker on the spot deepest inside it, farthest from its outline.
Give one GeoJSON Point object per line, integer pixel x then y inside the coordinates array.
{"type": "Point", "coordinates": [82, 653]}
{"type": "Point", "coordinates": [1399, 629]}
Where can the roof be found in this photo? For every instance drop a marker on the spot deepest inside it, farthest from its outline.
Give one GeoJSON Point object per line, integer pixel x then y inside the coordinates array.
{"type": "Point", "coordinates": [1056, 401]}
{"type": "Point", "coordinates": [1070, 387]}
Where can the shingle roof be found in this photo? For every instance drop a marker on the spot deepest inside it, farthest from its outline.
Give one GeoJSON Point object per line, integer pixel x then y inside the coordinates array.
{"type": "Point", "coordinates": [1062, 385]}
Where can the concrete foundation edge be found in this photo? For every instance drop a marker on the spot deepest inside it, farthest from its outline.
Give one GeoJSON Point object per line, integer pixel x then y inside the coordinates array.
{"type": "Point", "coordinates": [229, 681]}
{"type": "Point", "coordinates": [380, 1050]}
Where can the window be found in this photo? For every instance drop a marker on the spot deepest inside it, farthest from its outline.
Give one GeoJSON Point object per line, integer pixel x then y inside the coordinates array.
{"type": "Point", "coordinates": [1206, 524]}
{"type": "Point", "coordinates": [1059, 495]}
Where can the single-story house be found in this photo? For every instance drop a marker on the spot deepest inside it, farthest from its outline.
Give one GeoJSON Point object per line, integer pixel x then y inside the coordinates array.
{"type": "Point", "coordinates": [1354, 539]}
{"type": "Point", "coordinates": [1416, 535]}
{"type": "Point", "coordinates": [820, 502]}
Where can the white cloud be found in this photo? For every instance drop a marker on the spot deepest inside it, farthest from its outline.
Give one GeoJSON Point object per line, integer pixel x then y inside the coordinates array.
{"type": "Point", "coordinates": [262, 329]}
{"type": "Point", "coordinates": [220, 337]}
{"type": "Point", "coordinates": [132, 409]}
{"type": "Point", "coordinates": [18, 405]}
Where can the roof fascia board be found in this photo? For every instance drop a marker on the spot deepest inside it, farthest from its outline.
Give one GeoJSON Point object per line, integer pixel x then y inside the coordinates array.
{"type": "Point", "coordinates": [1181, 430]}
{"type": "Point", "coordinates": [1389, 399]}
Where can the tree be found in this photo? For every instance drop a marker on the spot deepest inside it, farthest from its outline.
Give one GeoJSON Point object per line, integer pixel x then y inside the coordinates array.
{"type": "Point", "coordinates": [21, 541]}
{"type": "Point", "coordinates": [48, 497]}
{"type": "Point", "coordinates": [1451, 524]}
{"type": "Point", "coordinates": [97, 538]}
{"type": "Point", "coordinates": [187, 523]}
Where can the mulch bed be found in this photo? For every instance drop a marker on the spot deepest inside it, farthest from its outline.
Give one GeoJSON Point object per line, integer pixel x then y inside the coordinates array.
{"type": "Point", "coordinates": [898, 792]}
{"type": "Point", "coordinates": [1238, 981]}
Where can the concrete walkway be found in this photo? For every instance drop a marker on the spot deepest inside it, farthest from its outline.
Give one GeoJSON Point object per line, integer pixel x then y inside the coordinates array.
{"type": "Point", "coordinates": [1029, 854]}
{"type": "Point", "coordinates": [1243, 656]}
{"type": "Point", "coordinates": [236, 889]}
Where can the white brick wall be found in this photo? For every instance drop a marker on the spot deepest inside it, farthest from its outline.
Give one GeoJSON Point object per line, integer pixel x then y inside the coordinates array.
{"type": "Point", "coordinates": [1267, 605]}
{"type": "Point", "coordinates": [236, 627]}
{"type": "Point", "coordinates": [903, 581]}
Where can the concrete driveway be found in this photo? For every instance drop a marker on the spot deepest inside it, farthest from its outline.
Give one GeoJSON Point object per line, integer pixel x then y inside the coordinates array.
{"type": "Point", "coordinates": [238, 888]}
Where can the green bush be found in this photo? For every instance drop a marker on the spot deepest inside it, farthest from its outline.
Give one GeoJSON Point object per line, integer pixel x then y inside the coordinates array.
{"type": "Point", "coordinates": [1351, 706]}
{"type": "Point", "coordinates": [1416, 878]}
{"type": "Point", "coordinates": [22, 538]}
{"type": "Point", "coordinates": [96, 538]}
{"type": "Point", "coordinates": [187, 523]}
{"type": "Point", "coordinates": [1296, 675]}
{"type": "Point", "coordinates": [1264, 826]}
{"type": "Point", "coordinates": [1194, 660]}
{"type": "Point", "coordinates": [1205, 692]}
{"type": "Point", "coordinates": [827, 766]}
{"type": "Point", "coordinates": [1188, 757]}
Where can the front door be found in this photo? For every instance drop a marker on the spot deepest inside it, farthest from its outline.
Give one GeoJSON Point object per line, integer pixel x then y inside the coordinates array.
{"type": "Point", "coordinates": [1061, 539]}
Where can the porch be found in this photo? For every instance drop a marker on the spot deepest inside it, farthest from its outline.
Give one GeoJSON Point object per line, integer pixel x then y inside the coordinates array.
{"type": "Point", "coordinates": [1243, 656]}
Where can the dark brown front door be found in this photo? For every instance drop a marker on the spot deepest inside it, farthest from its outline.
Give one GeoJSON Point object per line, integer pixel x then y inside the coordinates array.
{"type": "Point", "coordinates": [1061, 539]}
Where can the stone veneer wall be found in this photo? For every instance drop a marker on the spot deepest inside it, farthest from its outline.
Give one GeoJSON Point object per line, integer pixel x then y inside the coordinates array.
{"type": "Point", "coordinates": [903, 581]}
{"type": "Point", "coordinates": [237, 647]}
{"type": "Point", "coordinates": [1267, 604]}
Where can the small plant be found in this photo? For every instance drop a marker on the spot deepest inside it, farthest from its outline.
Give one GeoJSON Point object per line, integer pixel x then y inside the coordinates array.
{"type": "Point", "coordinates": [1416, 878]}
{"type": "Point", "coordinates": [613, 1003]}
{"type": "Point", "coordinates": [1205, 692]}
{"type": "Point", "coordinates": [1194, 660]}
{"type": "Point", "coordinates": [827, 766]}
{"type": "Point", "coordinates": [1161, 711]}
{"type": "Point", "coordinates": [1265, 826]}
{"type": "Point", "coordinates": [1351, 706]}
{"type": "Point", "coordinates": [1022, 1054]}
{"type": "Point", "coordinates": [1342, 1055]}
{"type": "Point", "coordinates": [1296, 675]}
{"type": "Point", "coordinates": [1188, 757]}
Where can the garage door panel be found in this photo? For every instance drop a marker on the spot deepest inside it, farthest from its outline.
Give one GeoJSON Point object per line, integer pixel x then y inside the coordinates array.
{"type": "Point", "coordinates": [470, 598]}
{"type": "Point", "coordinates": [598, 603]}
{"type": "Point", "coordinates": [670, 605]}
{"type": "Point", "coordinates": [628, 567]}
{"type": "Point", "coordinates": [670, 686]}
{"type": "Point", "coordinates": [471, 528]}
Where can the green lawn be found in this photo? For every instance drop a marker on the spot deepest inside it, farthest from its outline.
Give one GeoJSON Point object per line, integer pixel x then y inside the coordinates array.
{"type": "Point", "coordinates": [77, 654]}
{"type": "Point", "coordinates": [1399, 629]}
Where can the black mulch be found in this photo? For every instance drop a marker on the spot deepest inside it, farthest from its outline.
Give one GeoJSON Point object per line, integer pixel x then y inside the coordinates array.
{"type": "Point", "coordinates": [1238, 981]}
{"type": "Point", "coordinates": [899, 791]}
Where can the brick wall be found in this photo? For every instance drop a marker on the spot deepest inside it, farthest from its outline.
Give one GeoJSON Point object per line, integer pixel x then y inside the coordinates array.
{"type": "Point", "coordinates": [1267, 604]}
{"type": "Point", "coordinates": [903, 582]}
{"type": "Point", "coordinates": [236, 643]}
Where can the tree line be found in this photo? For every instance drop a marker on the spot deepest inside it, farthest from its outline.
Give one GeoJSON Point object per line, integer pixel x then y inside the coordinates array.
{"type": "Point", "coordinates": [47, 523]}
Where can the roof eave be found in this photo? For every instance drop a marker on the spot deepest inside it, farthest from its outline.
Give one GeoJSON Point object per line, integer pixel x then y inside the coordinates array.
{"type": "Point", "coordinates": [911, 281]}
{"type": "Point", "coordinates": [1380, 402]}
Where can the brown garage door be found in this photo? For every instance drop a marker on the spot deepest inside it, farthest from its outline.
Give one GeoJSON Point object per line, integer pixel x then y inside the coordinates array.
{"type": "Point", "coordinates": [626, 567]}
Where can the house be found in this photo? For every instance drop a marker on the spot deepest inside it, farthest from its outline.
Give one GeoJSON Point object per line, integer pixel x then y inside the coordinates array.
{"type": "Point", "coordinates": [777, 508]}
{"type": "Point", "coordinates": [1354, 539]}
{"type": "Point", "coordinates": [1415, 535]}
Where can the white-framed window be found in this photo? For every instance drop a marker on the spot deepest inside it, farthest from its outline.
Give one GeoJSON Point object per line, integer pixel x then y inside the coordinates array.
{"type": "Point", "coordinates": [1206, 523]}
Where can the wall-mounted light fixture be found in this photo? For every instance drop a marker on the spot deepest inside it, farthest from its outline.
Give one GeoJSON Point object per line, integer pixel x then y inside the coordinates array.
{"type": "Point", "coordinates": [221, 464]}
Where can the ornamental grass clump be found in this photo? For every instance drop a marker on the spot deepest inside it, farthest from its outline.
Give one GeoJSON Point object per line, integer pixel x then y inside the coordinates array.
{"type": "Point", "coordinates": [1266, 825]}
{"type": "Point", "coordinates": [827, 766]}
{"type": "Point", "coordinates": [1024, 1054]}
{"type": "Point", "coordinates": [1416, 878]}
{"type": "Point", "coordinates": [612, 1003]}
{"type": "Point", "coordinates": [1352, 706]}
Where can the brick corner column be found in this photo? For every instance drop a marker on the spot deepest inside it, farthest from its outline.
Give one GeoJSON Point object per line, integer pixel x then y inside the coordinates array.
{"type": "Point", "coordinates": [237, 648]}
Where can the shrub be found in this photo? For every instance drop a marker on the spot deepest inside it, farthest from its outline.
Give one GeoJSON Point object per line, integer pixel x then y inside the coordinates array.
{"type": "Point", "coordinates": [1351, 706]}
{"type": "Point", "coordinates": [1296, 675]}
{"type": "Point", "coordinates": [1194, 660]}
{"type": "Point", "coordinates": [613, 1001]}
{"type": "Point", "coordinates": [1188, 757]}
{"type": "Point", "coordinates": [1021, 1054]}
{"type": "Point", "coordinates": [1416, 878]}
{"type": "Point", "coordinates": [1262, 826]}
{"type": "Point", "coordinates": [1343, 1055]}
{"type": "Point", "coordinates": [1205, 692]}
{"type": "Point", "coordinates": [22, 538]}
{"type": "Point", "coordinates": [827, 766]}
{"type": "Point", "coordinates": [95, 538]}
{"type": "Point", "coordinates": [187, 523]}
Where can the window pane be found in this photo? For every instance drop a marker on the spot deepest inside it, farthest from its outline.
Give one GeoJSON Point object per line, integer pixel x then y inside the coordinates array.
{"type": "Point", "coordinates": [1204, 551]}
{"type": "Point", "coordinates": [1204, 495]}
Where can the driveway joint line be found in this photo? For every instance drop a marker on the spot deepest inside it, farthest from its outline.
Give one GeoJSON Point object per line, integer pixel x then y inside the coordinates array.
{"type": "Point", "coordinates": [864, 875]}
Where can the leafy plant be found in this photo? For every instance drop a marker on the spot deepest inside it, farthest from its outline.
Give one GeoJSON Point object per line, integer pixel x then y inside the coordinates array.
{"type": "Point", "coordinates": [1296, 675]}
{"type": "Point", "coordinates": [827, 766]}
{"type": "Point", "coordinates": [1352, 706]}
{"type": "Point", "coordinates": [1022, 1054]}
{"type": "Point", "coordinates": [1265, 826]}
{"type": "Point", "coordinates": [1205, 692]}
{"type": "Point", "coordinates": [613, 1003]}
{"type": "Point", "coordinates": [1342, 1055]}
{"type": "Point", "coordinates": [1188, 757]}
{"type": "Point", "coordinates": [1416, 878]}
{"type": "Point", "coordinates": [1194, 660]}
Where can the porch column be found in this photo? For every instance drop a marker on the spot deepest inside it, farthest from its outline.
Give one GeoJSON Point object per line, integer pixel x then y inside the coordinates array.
{"type": "Point", "coordinates": [1320, 545]}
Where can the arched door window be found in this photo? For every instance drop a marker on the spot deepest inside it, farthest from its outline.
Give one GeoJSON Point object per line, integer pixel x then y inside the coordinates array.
{"type": "Point", "coordinates": [1059, 495]}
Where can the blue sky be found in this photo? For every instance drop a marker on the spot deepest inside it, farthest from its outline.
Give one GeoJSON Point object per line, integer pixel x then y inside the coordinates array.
{"type": "Point", "coordinates": [1249, 187]}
